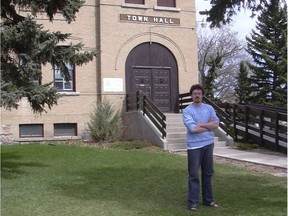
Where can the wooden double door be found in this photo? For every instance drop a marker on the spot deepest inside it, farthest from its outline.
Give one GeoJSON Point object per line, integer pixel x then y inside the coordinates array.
{"type": "Point", "coordinates": [152, 69]}
{"type": "Point", "coordinates": [155, 83]}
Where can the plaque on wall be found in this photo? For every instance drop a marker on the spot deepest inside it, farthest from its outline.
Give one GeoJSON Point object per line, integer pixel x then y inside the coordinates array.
{"type": "Point", "coordinates": [112, 84]}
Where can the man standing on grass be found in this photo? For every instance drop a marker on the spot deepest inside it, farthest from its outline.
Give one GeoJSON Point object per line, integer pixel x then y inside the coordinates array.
{"type": "Point", "coordinates": [200, 119]}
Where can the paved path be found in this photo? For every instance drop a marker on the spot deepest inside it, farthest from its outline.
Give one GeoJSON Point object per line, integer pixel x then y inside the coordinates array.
{"type": "Point", "coordinates": [274, 159]}
{"type": "Point", "coordinates": [277, 159]}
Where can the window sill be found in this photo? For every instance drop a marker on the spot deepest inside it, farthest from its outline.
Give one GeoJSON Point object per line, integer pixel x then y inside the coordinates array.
{"type": "Point", "coordinates": [139, 6]}
{"type": "Point", "coordinates": [66, 137]}
{"type": "Point", "coordinates": [166, 8]}
{"type": "Point", "coordinates": [69, 93]}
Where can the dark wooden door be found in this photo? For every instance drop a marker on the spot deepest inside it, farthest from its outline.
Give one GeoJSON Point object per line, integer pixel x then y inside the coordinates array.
{"type": "Point", "coordinates": [142, 80]}
{"type": "Point", "coordinates": [152, 69]}
{"type": "Point", "coordinates": [161, 88]}
{"type": "Point", "coordinates": [155, 83]}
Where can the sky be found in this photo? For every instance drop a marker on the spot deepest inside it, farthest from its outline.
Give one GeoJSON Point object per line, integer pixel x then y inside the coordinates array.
{"type": "Point", "coordinates": [242, 23]}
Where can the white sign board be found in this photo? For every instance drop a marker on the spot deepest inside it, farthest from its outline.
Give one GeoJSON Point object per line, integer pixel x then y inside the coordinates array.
{"type": "Point", "coordinates": [112, 84]}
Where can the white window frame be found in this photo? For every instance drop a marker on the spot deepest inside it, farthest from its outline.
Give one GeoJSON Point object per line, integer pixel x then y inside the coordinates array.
{"type": "Point", "coordinates": [59, 81]}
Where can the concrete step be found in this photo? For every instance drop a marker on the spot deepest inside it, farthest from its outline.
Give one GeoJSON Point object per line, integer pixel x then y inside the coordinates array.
{"type": "Point", "coordinates": [176, 130]}
{"type": "Point", "coordinates": [173, 115]}
{"type": "Point", "coordinates": [175, 124]}
{"type": "Point", "coordinates": [175, 135]}
{"type": "Point", "coordinates": [176, 140]}
{"type": "Point", "coordinates": [177, 146]}
{"type": "Point", "coordinates": [173, 118]}
{"type": "Point", "coordinates": [174, 121]}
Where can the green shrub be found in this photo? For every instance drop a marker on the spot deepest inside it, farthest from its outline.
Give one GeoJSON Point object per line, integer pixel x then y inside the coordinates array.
{"type": "Point", "coordinates": [105, 123]}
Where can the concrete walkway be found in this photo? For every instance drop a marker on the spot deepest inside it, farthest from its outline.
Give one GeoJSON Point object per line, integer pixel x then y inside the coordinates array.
{"type": "Point", "coordinates": [274, 159]}
{"type": "Point", "coordinates": [268, 158]}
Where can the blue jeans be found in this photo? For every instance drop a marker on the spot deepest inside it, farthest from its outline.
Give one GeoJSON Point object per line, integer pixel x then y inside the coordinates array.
{"type": "Point", "coordinates": [201, 157]}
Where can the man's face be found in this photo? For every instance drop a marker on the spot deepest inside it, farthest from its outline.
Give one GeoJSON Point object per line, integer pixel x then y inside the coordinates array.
{"type": "Point", "coordinates": [197, 96]}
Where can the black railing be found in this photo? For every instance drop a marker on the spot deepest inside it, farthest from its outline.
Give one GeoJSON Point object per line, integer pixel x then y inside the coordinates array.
{"type": "Point", "coordinates": [139, 101]}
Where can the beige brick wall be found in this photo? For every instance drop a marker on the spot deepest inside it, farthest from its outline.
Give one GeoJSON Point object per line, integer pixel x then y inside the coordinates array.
{"type": "Point", "coordinates": [74, 108]}
{"type": "Point", "coordinates": [98, 25]}
{"type": "Point", "coordinates": [119, 37]}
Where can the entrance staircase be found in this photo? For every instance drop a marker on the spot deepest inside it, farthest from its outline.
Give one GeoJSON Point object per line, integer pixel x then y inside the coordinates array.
{"type": "Point", "coordinates": [176, 133]}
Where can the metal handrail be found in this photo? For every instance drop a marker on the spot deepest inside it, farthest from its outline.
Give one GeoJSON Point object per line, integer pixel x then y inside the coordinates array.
{"type": "Point", "coordinates": [139, 101]}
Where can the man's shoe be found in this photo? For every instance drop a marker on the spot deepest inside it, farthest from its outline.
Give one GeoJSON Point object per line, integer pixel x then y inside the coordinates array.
{"type": "Point", "coordinates": [212, 205]}
{"type": "Point", "coordinates": [193, 207]}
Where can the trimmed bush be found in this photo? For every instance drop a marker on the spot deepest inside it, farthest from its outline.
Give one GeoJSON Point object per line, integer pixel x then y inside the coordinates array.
{"type": "Point", "coordinates": [105, 123]}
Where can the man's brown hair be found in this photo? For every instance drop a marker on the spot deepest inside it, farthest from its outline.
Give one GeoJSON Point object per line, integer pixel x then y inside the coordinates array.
{"type": "Point", "coordinates": [196, 86]}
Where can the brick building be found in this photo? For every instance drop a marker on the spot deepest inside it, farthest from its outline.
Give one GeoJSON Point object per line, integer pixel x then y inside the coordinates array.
{"type": "Point", "coordinates": [145, 44]}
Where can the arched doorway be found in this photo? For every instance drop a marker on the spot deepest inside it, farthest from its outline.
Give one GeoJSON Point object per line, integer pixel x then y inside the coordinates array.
{"type": "Point", "coordinates": [152, 68]}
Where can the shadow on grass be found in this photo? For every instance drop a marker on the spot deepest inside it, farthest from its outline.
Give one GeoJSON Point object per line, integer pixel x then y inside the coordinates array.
{"type": "Point", "coordinates": [131, 187]}
{"type": "Point", "coordinates": [11, 167]}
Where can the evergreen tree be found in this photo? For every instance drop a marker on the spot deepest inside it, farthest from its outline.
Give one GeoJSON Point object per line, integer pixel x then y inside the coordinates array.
{"type": "Point", "coordinates": [222, 11]}
{"type": "Point", "coordinates": [268, 48]}
{"type": "Point", "coordinates": [243, 88]}
{"type": "Point", "coordinates": [25, 46]}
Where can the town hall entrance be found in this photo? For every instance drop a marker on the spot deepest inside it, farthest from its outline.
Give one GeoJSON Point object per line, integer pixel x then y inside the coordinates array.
{"type": "Point", "coordinates": [152, 69]}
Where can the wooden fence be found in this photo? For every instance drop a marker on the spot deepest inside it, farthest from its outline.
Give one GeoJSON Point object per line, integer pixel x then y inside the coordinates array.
{"type": "Point", "coordinates": [260, 124]}
{"type": "Point", "coordinates": [263, 125]}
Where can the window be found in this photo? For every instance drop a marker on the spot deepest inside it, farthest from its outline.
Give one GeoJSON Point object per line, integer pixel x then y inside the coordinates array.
{"type": "Point", "coordinates": [166, 3]}
{"type": "Point", "coordinates": [59, 81]}
{"type": "Point", "coordinates": [31, 130]}
{"type": "Point", "coordinates": [135, 1]}
{"type": "Point", "coordinates": [65, 129]}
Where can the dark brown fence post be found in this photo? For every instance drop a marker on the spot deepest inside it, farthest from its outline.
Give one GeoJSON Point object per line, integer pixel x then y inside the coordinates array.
{"type": "Point", "coordinates": [227, 107]}
{"type": "Point", "coordinates": [163, 127]}
{"type": "Point", "coordinates": [234, 121]}
{"type": "Point", "coordinates": [277, 131]}
{"type": "Point", "coordinates": [144, 104]}
{"type": "Point", "coordinates": [138, 100]}
{"type": "Point", "coordinates": [246, 122]}
{"type": "Point", "coordinates": [261, 125]}
{"type": "Point", "coordinates": [180, 103]}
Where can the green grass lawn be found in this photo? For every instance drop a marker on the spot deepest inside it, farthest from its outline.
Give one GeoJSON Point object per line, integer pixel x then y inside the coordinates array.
{"type": "Point", "coordinates": [59, 179]}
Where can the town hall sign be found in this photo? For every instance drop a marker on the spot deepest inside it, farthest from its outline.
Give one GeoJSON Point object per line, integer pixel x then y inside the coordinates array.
{"type": "Point", "coordinates": [149, 19]}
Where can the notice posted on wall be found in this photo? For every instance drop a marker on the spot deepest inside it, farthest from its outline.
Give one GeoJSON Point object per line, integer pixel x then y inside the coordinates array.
{"type": "Point", "coordinates": [112, 84]}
